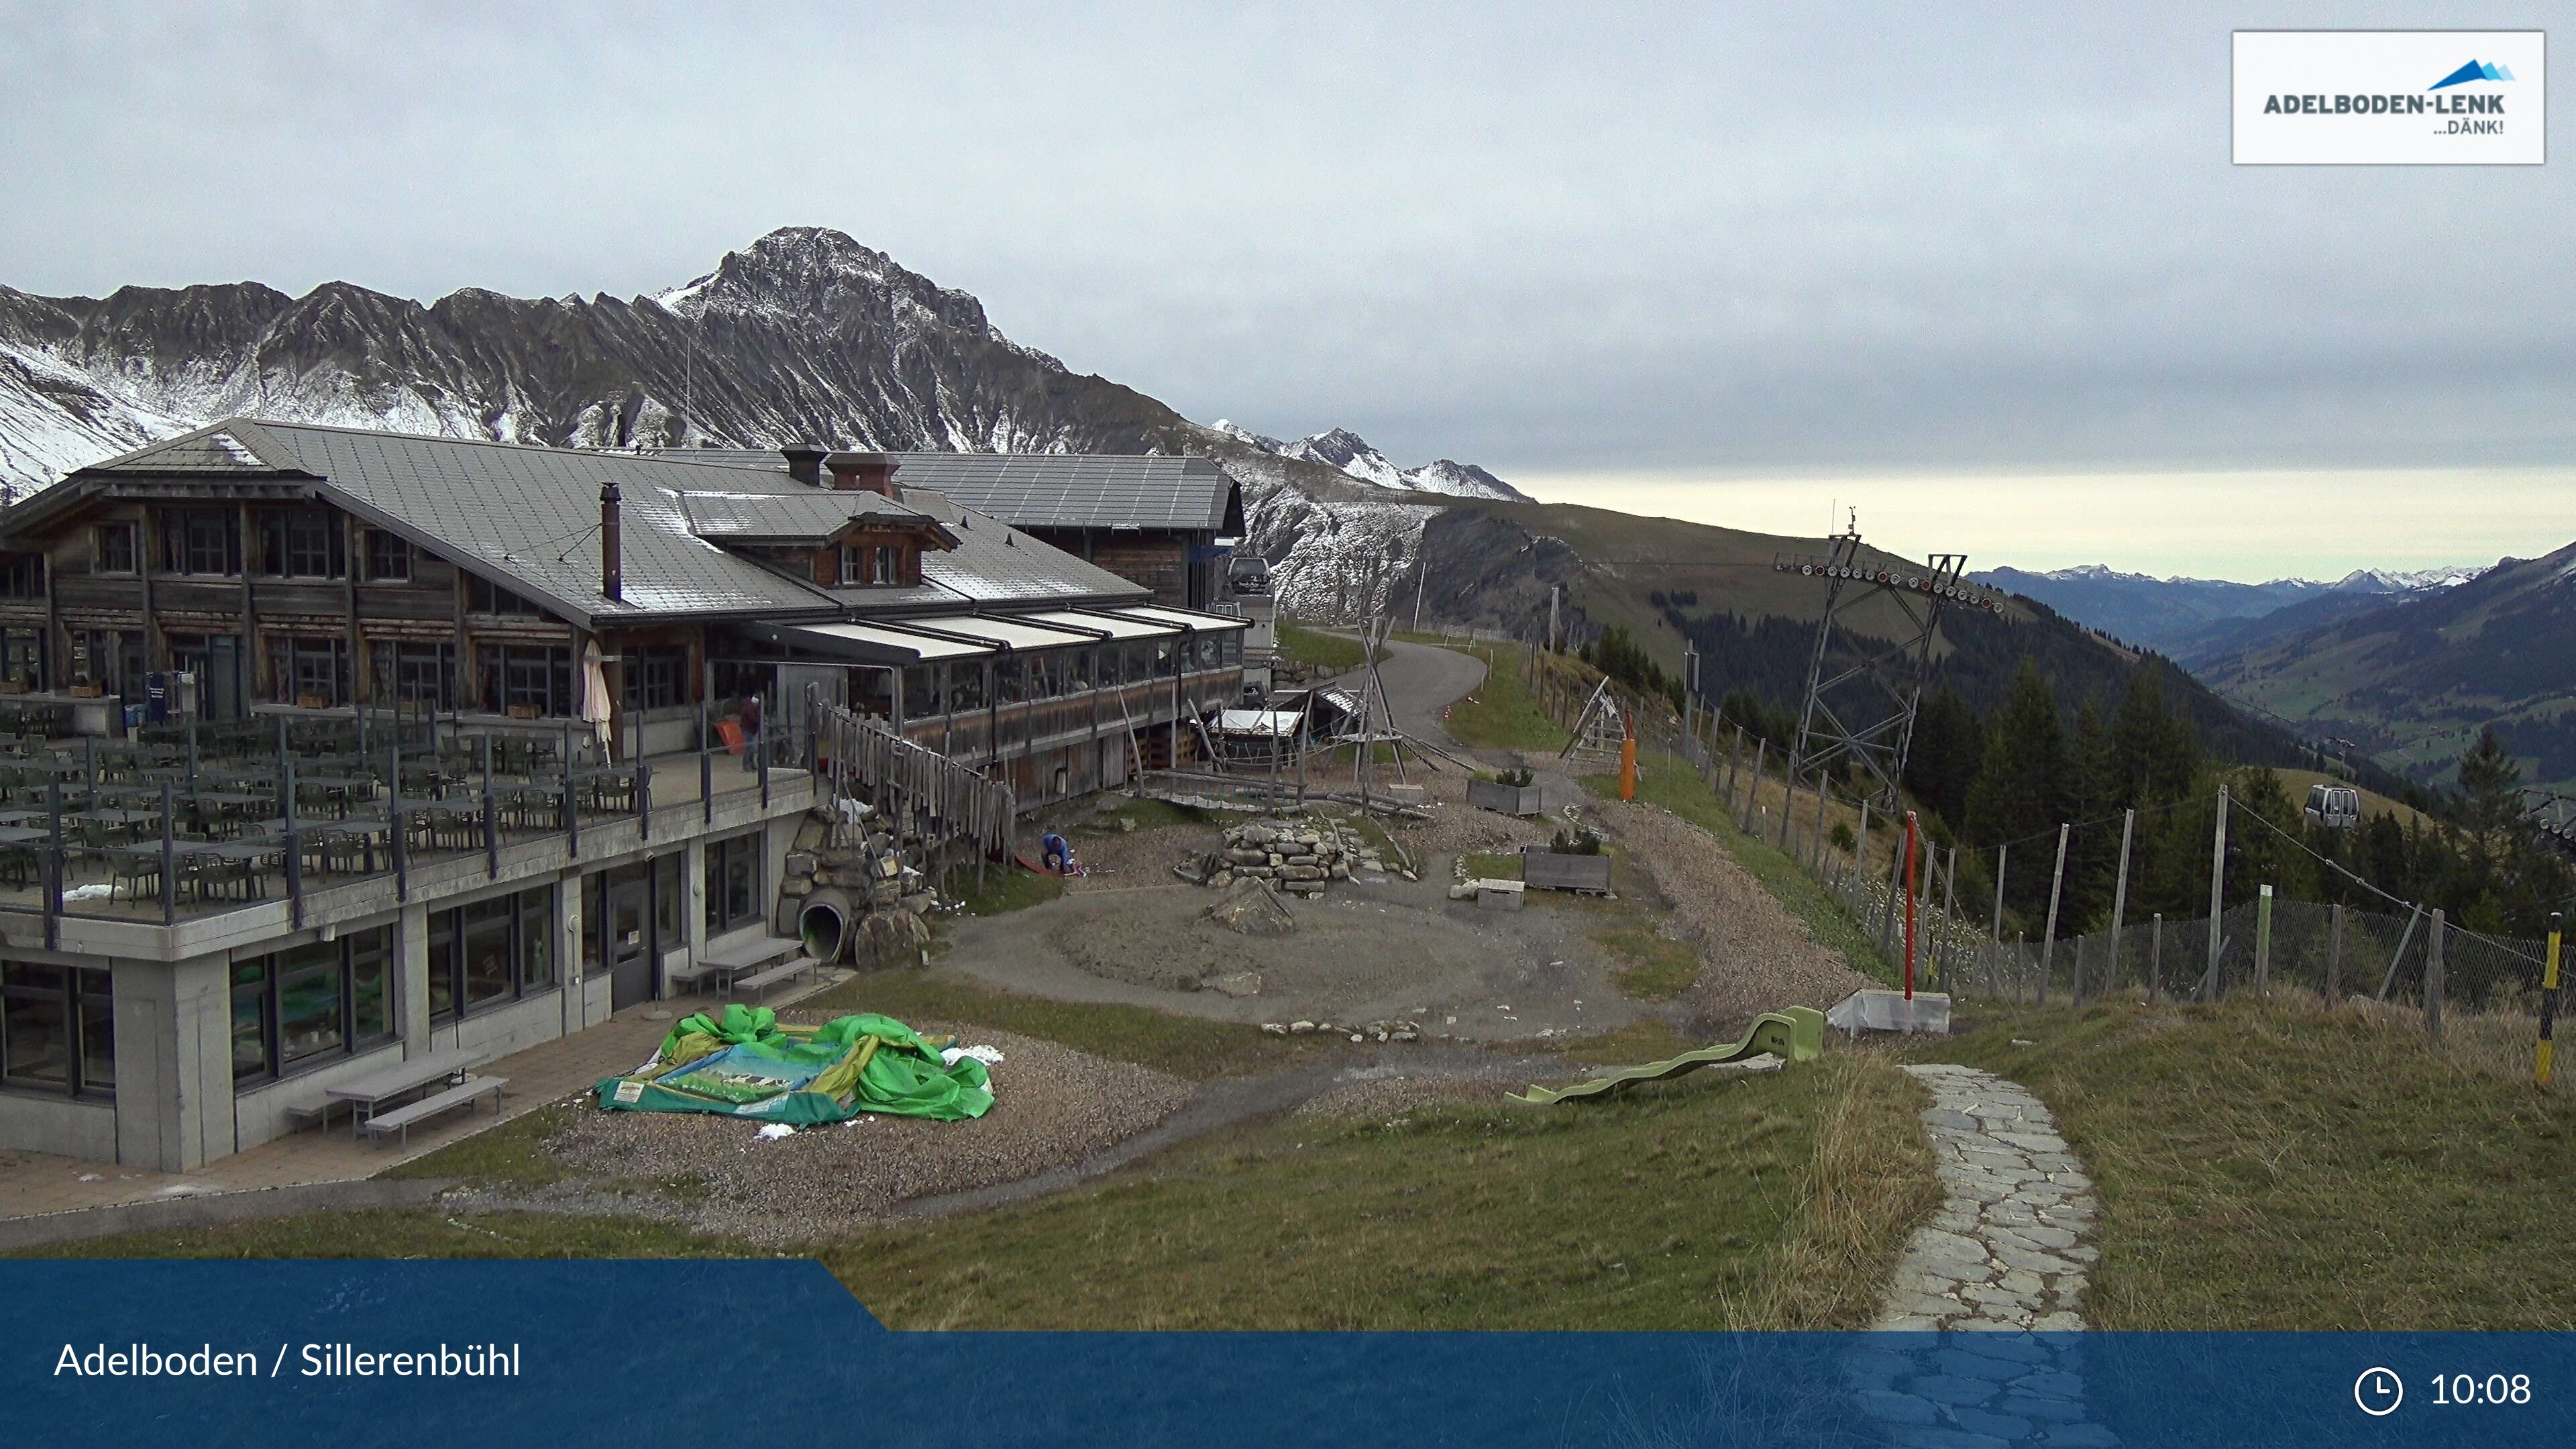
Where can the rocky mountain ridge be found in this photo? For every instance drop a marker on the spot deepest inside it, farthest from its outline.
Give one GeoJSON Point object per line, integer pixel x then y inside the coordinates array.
{"type": "Point", "coordinates": [805, 334]}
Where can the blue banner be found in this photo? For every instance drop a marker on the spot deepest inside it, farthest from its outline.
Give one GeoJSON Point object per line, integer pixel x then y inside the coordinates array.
{"type": "Point", "coordinates": [561, 1354]}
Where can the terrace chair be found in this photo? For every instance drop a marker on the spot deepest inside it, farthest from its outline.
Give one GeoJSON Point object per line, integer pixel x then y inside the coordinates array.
{"type": "Point", "coordinates": [130, 872]}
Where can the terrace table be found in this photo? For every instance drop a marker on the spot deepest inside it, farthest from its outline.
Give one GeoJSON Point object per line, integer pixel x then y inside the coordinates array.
{"type": "Point", "coordinates": [365, 1094]}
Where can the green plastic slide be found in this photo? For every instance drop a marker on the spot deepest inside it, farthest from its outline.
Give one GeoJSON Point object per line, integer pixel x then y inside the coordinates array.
{"type": "Point", "coordinates": [1794, 1035]}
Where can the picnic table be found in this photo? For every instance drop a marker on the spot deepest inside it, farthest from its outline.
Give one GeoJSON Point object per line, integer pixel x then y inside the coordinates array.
{"type": "Point", "coordinates": [365, 1095]}
{"type": "Point", "coordinates": [743, 957]}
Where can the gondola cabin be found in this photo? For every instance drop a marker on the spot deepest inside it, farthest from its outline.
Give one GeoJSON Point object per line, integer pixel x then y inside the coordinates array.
{"type": "Point", "coordinates": [2335, 807]}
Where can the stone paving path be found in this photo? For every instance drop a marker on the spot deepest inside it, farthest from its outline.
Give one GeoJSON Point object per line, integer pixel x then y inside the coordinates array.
{"type": "Point", "coordinates": [2005, 1259]}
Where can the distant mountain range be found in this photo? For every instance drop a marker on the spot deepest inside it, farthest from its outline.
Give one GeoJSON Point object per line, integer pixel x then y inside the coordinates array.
{"type": "Point", "coordinates": [1350, 453]}
{"type": "Point", "coordinates": [2414, 676]}
{"type": "Point", "coordinates": [2183, 617]}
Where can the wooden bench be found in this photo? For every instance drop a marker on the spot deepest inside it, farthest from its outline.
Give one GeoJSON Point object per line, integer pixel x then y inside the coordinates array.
{"type": "Point", "coordinates": [784, 971]}
{"type": "Point", "coordinates": [460, 1095]}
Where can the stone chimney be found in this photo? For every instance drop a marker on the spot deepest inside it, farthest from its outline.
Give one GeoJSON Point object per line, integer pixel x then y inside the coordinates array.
{"type": "Point", "coordinates": [804, 463]}
{"type": "Point", "coordinates": [612, 564]}
{"type": "Point", "coordinates": [863, 472]}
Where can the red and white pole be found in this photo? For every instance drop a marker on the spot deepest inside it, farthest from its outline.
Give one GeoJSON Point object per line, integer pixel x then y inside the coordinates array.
{"type": "Point", "coordinates": [1909, 905]}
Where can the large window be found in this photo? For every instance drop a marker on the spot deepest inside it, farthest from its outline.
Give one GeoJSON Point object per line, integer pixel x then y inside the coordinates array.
{"type": "Point", "coordinates": [965, 685]}
{"type": "Point", "coordinates": [491, 952]}
{"type": "Point", "coordinates": [307, 545]}
{"type": "Point", "coordinates": [110, 659]}
{"type": "Point", "coordinates": [1010, 679]}
{"type": "Point", "coordinates": [925, 692]}
{"type": "Point", "coordinates": [22, 657]}
{"type": "Point", "coordinates": [201, 541]}
{"type": "Point", "coordinates": [113, 548]}
{"type": "Point", "coordinates": [423, 674]}
{"type": "Point", "coordinates": [57, 1029]}
{"type": "Point", "coordinates": [314, 669]}
{"type": "Point", "coordinates": [22, 576]}
{"type": "Point", "coordinates": [388, 557]}
{"type": "Point", "coordinates": [656, 676]}
{"type": "Point", "coordinates": [531, 680]}
{"type": "Point", "coordinates": [733, 882]}
{"type": "Point", "coordinates": [310, 1004]}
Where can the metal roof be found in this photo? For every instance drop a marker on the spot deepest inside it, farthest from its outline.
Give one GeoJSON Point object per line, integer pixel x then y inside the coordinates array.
{"type": "Point", "coordinates": [763, 517]}
{"type": "Point", "coordinates": [528, 518]}
{"type": "Point", "coordinates": [1052, 490]}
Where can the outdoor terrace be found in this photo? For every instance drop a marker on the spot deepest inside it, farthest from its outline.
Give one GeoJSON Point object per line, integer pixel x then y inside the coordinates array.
{"type": "Point", "coordinates": [184, 822]}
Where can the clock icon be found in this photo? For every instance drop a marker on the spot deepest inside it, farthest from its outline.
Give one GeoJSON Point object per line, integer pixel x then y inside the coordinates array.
{"type": "Point", "coordinates": [2378, 1391]}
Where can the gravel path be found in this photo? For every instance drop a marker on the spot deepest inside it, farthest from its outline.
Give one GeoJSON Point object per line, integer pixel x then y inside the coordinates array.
{"type": "Point", "coordinates": [2003, 1257]}
{"type": "Point", "coordinates": [1759, 956]}
{"type": "Point", "coordinates": [1053, 1106]}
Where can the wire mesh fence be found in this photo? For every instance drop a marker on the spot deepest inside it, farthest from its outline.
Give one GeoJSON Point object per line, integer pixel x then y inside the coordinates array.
{"type": "Point", "coordinates": [2406, 957]}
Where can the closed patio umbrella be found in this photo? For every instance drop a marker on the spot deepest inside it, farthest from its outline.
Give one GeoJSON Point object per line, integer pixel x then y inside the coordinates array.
{"type": "Point", "coordinates": [594, 691]}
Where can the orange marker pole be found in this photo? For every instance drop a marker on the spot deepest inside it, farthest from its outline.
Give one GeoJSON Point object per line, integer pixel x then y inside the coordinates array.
{"type": "Point", "coordinates": [1628, 763]}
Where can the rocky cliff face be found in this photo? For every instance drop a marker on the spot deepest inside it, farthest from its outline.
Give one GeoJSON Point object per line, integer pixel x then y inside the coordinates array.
{"type": "Point", "coordinates": [805, 334]}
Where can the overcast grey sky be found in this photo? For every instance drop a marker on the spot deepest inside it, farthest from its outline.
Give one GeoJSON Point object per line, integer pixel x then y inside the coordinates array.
{"type": "Point", "coordinates": [1702, 260]}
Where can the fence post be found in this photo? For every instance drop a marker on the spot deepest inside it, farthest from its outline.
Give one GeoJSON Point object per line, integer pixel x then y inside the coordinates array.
{"type": "Point", "coordinates": [1734, 761]}
{"type": "Point", "coordinates": [2079, 971]}
{"type": "Point", "coordinates": [2433, 982]}
{"type": "Point", "coordinates": [1788, 804]}
{"type": "Point", "coordinates": [1816, 842]}
{"type": "Point", "coordinates": [2548, 1003]}
{"type": "Point", "coordinates": [2263, 941]}
{"type": "Point", "coordinates": [2000, 852]}
{"type": "Point", "coordinates": [2120, 898]}
{"type": "Point", "coordinates": [2217, 894]}
{"type": "Point", "coordinates": [1761, 751]}
{"type": "Point", "coordinates": [1950, 915]}
{"type": "Point", "coordinates": [1860, 863]}
{"type": "Point", "coordinates": [1887, 918]}
{"type": "Point", "coordinates": [2334, 958]}
{"type": "Point", "coordinates": [2056, 884]}
{"type": "Point", "coordinates": [2156, 959]}
{"type": "Point", "coordinates": [2397, 958]}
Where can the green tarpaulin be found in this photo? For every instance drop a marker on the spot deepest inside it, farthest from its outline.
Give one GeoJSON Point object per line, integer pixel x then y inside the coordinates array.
{"type": "Point", "coordinates": [742, 1063]}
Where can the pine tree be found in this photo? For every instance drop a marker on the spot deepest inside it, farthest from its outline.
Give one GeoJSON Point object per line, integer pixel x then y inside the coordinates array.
{"type": "Point", "coordinates": [2022, 788]}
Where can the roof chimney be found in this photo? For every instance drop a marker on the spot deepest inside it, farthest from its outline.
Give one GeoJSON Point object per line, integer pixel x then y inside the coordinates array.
{"type": "Point", "coordinates": [804, 463]}
{"type": "Point", "coordinates": [612, 566]}
{"type": "Point", "coordinates": [863, 472]}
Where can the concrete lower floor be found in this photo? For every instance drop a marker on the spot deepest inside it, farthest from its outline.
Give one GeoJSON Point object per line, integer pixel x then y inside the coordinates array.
{"type": "Point", "coordinates": [33, 1183]}
{"type": "Point", "coordinates": [174, 1065]}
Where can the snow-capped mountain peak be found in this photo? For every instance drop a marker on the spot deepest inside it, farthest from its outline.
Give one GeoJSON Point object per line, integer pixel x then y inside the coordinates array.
{"type": "Point", "coordinates": [1347, 452]}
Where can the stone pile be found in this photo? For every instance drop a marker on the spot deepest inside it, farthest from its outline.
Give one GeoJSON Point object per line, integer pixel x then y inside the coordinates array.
{"type": "Point", "coordinates": [1291, 856]}
{"type": "Point", "coordinates": [850, 848]}
{"type": "Point", "coordinates": [1385, 1031]}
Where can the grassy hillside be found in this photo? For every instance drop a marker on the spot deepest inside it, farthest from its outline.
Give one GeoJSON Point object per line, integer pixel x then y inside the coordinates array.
{"type": "Point", "coordinates": [2414, 683]}
{"type": "Point", "coordinates": [1671, 582]}
{"type": "Point", "coordinates": [2285, 1165]}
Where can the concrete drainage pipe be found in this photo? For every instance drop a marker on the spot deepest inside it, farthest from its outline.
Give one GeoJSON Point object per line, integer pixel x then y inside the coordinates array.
{"type": "Point", "coordinates": [826, 925]}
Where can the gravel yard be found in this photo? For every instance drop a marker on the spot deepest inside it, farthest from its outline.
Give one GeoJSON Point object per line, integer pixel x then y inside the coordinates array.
{"type": "Point", "coordinates": [1052, 1107]}
{"type": "Point", "coordinates": [1759, 956]}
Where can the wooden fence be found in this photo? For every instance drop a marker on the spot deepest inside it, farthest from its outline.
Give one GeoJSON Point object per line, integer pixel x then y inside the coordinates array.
{"type": "Point", "coordinates": [915, 788]}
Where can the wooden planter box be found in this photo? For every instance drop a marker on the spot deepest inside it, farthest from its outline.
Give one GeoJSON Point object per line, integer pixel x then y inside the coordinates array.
{"type": "Point", "coordinates": [1508, 799]}
{"type": "Point", "coordinates": [523, 711]}
{"type": "Point", "coordinates": [311, 701]}
{"type": "Point", "coordinates": [13, 686]}
{"type": "Point", "coordinates": [1547, 870]}
{"type": "Point", "coordinates": [87, 691]}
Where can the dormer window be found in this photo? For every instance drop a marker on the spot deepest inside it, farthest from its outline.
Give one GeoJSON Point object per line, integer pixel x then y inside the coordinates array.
{"type": "Point", "coordinates": [866, 566]}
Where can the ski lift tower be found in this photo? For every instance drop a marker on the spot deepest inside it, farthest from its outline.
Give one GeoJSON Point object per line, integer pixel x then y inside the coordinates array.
{"type": "Point", "coordinates": [1861, 697]}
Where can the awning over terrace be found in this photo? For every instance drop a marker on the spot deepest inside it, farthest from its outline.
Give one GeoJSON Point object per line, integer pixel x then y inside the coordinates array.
{"type": "Point", "coordinates": [870, 643]}
{"type": "Point", "coordinates": [1190, 619]}
{"type": "Point", "coordinates": [1114, 626]}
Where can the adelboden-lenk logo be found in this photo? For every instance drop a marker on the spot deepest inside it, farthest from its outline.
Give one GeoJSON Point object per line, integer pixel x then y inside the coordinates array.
{"type": "Point", "coordinates": [2475, 70]}
{"type": "Point", "coordinates": [2368, 97]}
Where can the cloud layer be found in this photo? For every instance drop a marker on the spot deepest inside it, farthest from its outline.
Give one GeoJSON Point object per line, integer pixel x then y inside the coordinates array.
{"type": "Point", "coordinates": [1845, 238]}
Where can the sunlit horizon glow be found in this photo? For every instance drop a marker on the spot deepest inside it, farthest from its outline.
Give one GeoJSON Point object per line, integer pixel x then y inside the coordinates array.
{"type": "Point", "coordinates": [2246, 525]}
